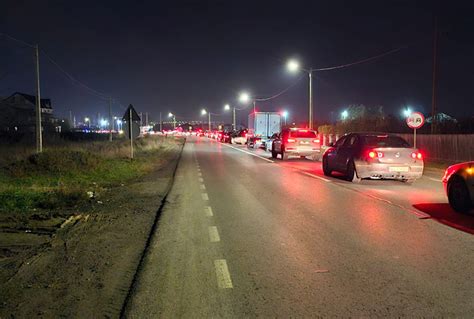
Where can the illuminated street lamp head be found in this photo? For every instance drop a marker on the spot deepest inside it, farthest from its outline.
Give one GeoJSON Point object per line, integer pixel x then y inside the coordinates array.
{"type": "Point", "coordinates": [285, 114]}
{"type": "Point", "coordinates": [227, 107]}
{"type": "Point", "coordinates": [203, 112]}
{"type": "Point", "coordinates": [86, 119]}
{"type": "Point", "coordinates": [344, 114]}
{"type": "Point", "coordinates": [244, 97]}
{"type": "Point", "coordinates": [170, 114]}
{"type": "Point", "coordinates": [293, 65]}
{"type": "Point", "coordinates": [103, 122]}
{"type": "Point", "coordinates": [407, 112]}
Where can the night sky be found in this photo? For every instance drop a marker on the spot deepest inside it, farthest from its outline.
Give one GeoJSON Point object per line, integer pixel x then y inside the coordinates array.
{"type": "Point", "coordinates": [182, 56]}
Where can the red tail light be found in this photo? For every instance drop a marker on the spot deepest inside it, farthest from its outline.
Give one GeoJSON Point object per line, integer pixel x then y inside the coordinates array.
{"type": "Point", "coordinates": [291, 140]}
{"type": "Point", "coordinates": [415, 155]}
{"type": "Point", "coordinates": [374, 154]}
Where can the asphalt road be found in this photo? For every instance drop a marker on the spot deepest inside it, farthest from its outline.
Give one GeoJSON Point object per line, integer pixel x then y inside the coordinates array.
{"type": "Point", "coordinates": [246, 236]}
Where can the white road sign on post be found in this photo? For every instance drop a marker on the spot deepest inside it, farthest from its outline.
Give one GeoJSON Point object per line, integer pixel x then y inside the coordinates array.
{"type": "Point", "coordinates": [415, 121]}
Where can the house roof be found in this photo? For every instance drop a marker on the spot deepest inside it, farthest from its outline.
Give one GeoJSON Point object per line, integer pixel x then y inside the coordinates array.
{"type": "Point", "coordinates": [45, 103]}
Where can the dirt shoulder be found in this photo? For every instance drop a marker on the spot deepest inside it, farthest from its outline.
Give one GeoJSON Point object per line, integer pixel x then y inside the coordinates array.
{"type": "Point", "coordinates": [85, 268]}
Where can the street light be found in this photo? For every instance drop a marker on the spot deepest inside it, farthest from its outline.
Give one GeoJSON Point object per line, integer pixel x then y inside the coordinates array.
{"type": "Point", "coordinates": [174, 119]}
{"type": "Point", "coordinates": [88, 121]}
{"type": "Point", "coordinates": [344, 115]}
{"type": "Point", "coordinates": [285, 115]}
{"type": "Point", "coordinates": [244, 97]}
{"type": "Point", "coordinates": [204, 112]}
{"type": "Point", "coordinates": [103, 123]}
{"type": "Point", "coordinates": [227, 108]}
{"type": "Point", "coordinates": [294, 66]}
{"type": "Point", "coordinates": [407, 112]}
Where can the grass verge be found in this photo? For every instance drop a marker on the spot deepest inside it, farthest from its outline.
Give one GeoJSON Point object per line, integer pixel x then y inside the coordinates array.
{"type": "Point", "coordinates": [65, 176]}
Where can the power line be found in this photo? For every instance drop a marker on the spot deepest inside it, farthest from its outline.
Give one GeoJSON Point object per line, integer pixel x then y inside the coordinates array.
{"type": "Point", "coordinates": [73, 79]}
{"type": "Point", "coordinates": [17, 40]}
{"type": "Point", "coordinates": [279, 93]}
{"type": "Point", "coordinates": [360, 61]}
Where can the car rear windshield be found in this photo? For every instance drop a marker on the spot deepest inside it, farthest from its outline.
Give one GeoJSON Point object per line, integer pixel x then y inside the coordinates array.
{"type": "Point", "coordinates": [385, 141]}
{"type": "Point", "coordinates": [303, 134]}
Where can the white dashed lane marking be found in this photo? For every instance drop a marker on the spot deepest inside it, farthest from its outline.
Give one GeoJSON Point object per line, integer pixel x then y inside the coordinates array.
{"type": "Point", "coordinates": [208, 211]}
{"type": "Point", "coordinates": [202, 186]}
{"type": "Point", "coordinates": [241, 150]}
{"type": "Point", "coordinates": [223, 276]}
{"type": "Point", "coordinates": [200, 179]}
{"type": "Point", "coordinates": [214, 234]}
{"type": "Point", "coordinates": [316, 176]}
{"type": "Point", "coordinates": [204, 196]}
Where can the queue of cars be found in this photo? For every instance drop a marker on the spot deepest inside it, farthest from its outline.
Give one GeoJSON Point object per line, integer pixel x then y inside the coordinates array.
{"type": "Point", "coordinates": [361, 156]}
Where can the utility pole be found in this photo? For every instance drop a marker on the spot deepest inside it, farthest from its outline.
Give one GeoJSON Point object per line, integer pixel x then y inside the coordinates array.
{"type": "Point", "coordinates": [209, 116]}
{"type": "Point", "coordinates": [161, 124]}
{"type": "Point", "coordinates": [310, 115]}
{"type": "Point", "coordinates": [233, 119]}
{"type": "Point", "coordinates": [74, 121]}
{"type": "Point", "coordinates": [141, 118]}
{"type": "Point", "coordinates": [146, 119]}
{"type": "Point", "coordinates": [434, 107]}
{"type": "Point", "coordinates": [39, 130]}
{"type": "Point", "coordinates": [111, 120]}
{"type": "Point", "coordinates": [70, 117]}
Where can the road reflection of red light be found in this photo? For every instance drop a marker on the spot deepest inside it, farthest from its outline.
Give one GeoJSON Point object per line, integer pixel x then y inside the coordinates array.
{"type": "Point", "coordinates": [444, 214]}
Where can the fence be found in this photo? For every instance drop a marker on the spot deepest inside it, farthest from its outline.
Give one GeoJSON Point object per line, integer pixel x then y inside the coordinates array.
{"type": "Point", "coordinates": [438, 147]}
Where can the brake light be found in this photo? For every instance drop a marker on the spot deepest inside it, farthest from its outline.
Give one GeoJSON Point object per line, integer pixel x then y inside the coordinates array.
{"type": "Point", "coordinates": [374, 154]}
{"type": "Point", "coordinates": [418, 155]}
{"type": "Point", "coordinates": [291, 140]}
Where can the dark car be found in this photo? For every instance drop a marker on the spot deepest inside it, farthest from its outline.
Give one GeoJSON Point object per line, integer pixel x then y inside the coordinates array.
{"type": "Point", "coordinates": [458, 183]}
{"type": "Point", "coordinates": [375, 156]}
{"type": "Point", "coordinates": [224, 137]}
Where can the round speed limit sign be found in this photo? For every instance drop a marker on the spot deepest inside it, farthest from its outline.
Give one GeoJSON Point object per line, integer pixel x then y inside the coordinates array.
{"type": "Point", "coordinates": [415, 120]}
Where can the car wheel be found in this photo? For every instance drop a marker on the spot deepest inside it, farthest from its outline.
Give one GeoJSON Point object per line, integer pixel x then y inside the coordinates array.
{"type": "Point", "coordinates": [458, 195]}
{"type": "Point", "coordinates": [326, 170]}
{"type": "Point", "coordinates": [284, 155]}
{"type": "Point", "coordinates": [351, 173]}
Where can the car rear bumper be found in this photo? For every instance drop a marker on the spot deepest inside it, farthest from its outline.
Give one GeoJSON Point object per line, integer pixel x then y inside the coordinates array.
{"type": "Point", "coordinates": [389, 171]}
{"type": "Point", "coordinates": [302, 151]}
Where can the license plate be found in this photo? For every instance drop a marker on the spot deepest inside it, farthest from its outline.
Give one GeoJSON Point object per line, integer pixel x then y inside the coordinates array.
{"type": "Point", "coordinates": [398, 169]}
{"type": "Point", "coordinates": [304, 142]}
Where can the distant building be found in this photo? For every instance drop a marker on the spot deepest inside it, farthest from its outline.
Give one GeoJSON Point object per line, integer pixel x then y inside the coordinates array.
{"type": "Point", "coordinates": [18, 114]}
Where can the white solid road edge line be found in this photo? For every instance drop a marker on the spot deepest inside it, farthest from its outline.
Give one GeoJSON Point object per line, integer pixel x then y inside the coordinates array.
{"type": "Point", "coordinates": [214, 234]}
{"type": "Point", "coordinates": [250, 153]}
{"type": "Point", "coordinates": [434, 179]}
{"type": "Point", "coordinates": [223, 276]}
{"type": "Point", "coordinates": [204, 196]}
{"type": "Point", "coordinates": [208, 211]}
{"type": "Point", "coordinates": [316, 176]}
